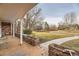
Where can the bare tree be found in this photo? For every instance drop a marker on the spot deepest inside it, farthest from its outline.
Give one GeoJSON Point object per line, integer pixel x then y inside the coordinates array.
{"type": "Point", "coordinates": [69, 20]}
{"type": "Point", "coordinates": [34, 17]}
{"type": "Point", "coordinates": [53, 27]}
{"type": "Point", "coordinates": [61, 25]}
{"type": "Point", "coordinates": [46, 26]}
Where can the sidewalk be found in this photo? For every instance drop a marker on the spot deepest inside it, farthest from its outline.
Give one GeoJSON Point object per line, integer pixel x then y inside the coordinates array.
{"type": "Point", "coordinates": [58, 41]}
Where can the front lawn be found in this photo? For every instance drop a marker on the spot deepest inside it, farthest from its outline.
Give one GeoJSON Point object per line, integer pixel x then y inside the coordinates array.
{"type": "Point", "coordinates": [46, 36]}
{"type": "Point", "coordinates": [72, 44]}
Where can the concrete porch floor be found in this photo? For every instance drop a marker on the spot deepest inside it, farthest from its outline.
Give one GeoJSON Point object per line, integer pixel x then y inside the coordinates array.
{"type": "Point", "coordinates": [25, 49]}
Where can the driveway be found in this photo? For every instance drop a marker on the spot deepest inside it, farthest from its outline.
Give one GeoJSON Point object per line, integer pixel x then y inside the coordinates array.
{"type": "Point", "coordinates": [58, 41]}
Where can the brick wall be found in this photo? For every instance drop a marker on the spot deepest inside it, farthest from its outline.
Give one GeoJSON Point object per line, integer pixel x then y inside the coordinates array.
{"type": "Point", "coordinates": [31, 40]}
{"type": "Point", "coordinates": [57, 50]}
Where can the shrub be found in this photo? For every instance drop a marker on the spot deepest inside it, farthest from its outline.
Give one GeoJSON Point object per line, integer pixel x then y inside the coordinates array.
{"type": "Point", "coordinates": [27, 31]}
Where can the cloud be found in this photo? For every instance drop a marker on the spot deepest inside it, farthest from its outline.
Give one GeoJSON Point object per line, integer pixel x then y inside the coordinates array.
{"type": "Point", "coordinates": [56, 20]}
{"type": "Point", "coordinates": [53, 20]}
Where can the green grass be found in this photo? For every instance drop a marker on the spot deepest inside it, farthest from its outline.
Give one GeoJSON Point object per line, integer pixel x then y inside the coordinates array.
{"type": "Point", "coordinates": [72, 44]}
{"type": "Point", "coordinates": [46, 36]}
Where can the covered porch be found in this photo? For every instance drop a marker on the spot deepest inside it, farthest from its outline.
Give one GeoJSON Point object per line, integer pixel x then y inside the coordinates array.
{"type": "Point", "coordinates": [10, 14]}
{"type": "Point", "coordinates": [14, 49]}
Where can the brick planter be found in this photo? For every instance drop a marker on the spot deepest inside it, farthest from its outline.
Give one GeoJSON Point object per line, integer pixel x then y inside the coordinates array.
{"type": "Point", "coordinates": [31, 40]}
{"type": "Point", "coordinates": [57, 50]}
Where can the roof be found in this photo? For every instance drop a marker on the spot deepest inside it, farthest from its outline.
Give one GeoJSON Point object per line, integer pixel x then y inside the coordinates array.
{"type": "Point", "coordinates": [12, 11]}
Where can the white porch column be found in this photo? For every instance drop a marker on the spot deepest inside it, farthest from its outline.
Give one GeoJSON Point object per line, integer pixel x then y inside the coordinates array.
{"type": "Point", "coordinates": [13, 29]}
{"type": "Point", "coordinates": [21, 31]}
{"type": "Point", "coordinates": [0, 30]}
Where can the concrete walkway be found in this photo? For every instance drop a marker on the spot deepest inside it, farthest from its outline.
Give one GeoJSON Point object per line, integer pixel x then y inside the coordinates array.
{"type": "Point", "coordinates": [58, 41]}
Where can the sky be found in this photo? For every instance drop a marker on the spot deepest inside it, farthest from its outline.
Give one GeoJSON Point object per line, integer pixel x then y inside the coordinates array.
{"type": "Point", "coordinates": [54, 12]}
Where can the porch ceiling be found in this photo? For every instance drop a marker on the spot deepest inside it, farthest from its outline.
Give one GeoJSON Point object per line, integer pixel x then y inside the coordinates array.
{"type": "Point", "coordinates": [12, 11]}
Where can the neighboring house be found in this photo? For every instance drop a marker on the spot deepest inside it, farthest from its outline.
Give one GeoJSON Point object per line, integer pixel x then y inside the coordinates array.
{"type": "Point", "coordinates": [11, 15]}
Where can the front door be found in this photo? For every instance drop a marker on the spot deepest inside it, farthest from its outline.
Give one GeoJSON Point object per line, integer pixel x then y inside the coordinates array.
{"type": "Point", "coordinates": [6, 28]}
